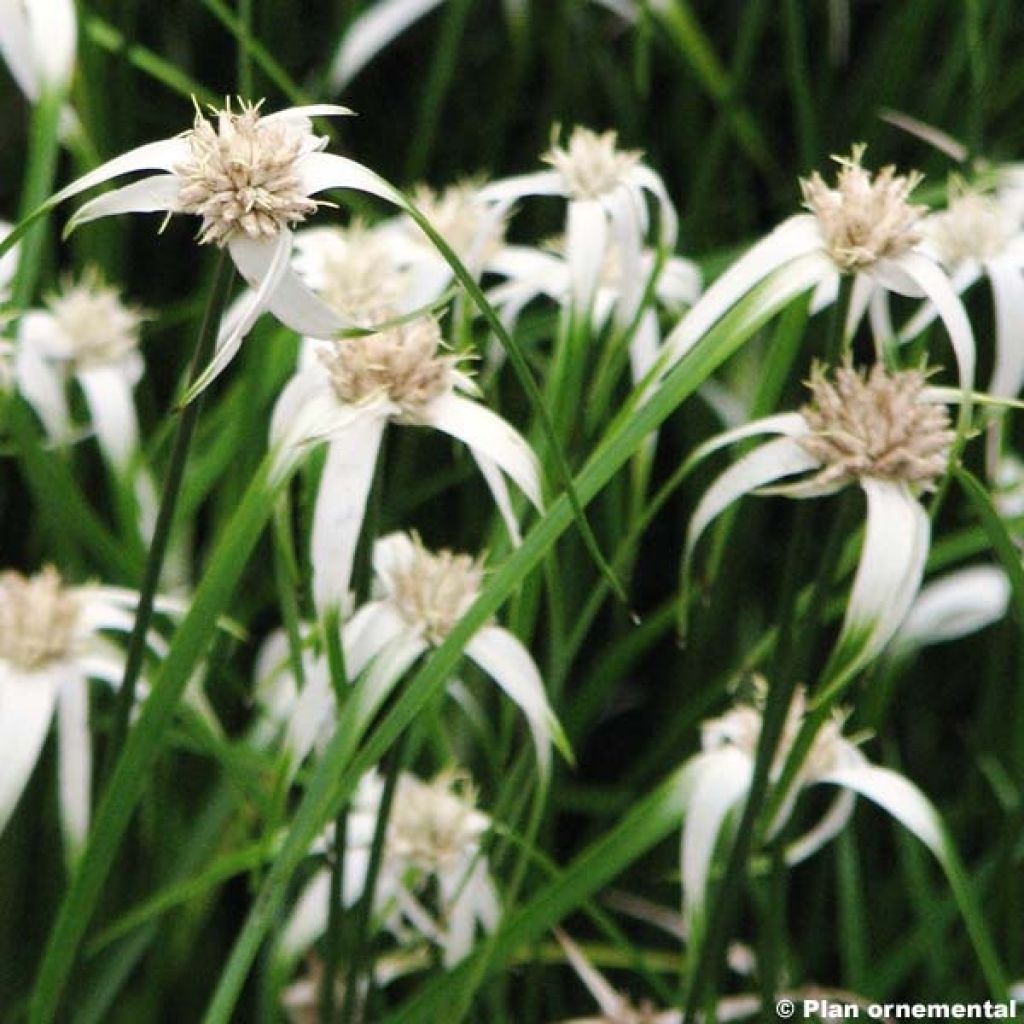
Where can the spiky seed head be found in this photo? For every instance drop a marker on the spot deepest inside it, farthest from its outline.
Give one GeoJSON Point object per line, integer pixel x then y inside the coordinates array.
{"type": "Point", "coordinates": [401, 364]}
{"type": "Point", "coordinates": [592, 165]}
{"type": "Point", "coordinates": [241, 176]}
{"type": "Point", "coordinates": [876, 424]}
{"type": "Point", "coordinates": [865, 218]}
{"type": "Point", "coordinates": [38, 619]}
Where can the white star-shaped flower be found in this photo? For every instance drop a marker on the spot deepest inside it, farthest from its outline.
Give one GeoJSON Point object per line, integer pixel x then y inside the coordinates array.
{"type": "Point", "coordinates": [419, 596]}
{"type": "Point", "coordinates": [348, 397]}
{"type": "Point", "coordinates": [52, 643]}
{"type": "Point", "coordinates": [716, 782]}
{"type": "Point", "coordinates": [86, 332]}
{"type": "Point", "coordinates": [886, 432]}
{"type": "Point", "coordinates": [250, 178]}
{"type": "Point", "coordinates": [977, 236]}
{"type": "Point", "coordinates": [864, 227]}
{"type": "Point", "coordinates": [606, 189]}
{"type": "Point", "coordinates": [434, 835]}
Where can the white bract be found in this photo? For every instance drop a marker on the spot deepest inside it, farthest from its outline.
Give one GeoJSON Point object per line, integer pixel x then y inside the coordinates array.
{"type": "Point", "coordinates": [716, 782]}
{"type": "Point", "coordinates": [954, 605]}
{"type": "Point", "coordinates": [533, 272]}
{"type": "Point", "coordinates": [606, 188]}
{"type": "Point", "coordinates": [8, 264]}
{"type": "Point", "coordinates": [434, 835]}
{"type": "Point", "coordinates": [885, 432]}
{"type": "Point", "coordinates": [472, 225]}
{"type": "Point", "coordinates": [978, 236]}
{"type": "Point", "coordinates": [86, 333]}
{"type": "Point", "coordinates": [419, 596]}
{"type": "Point", "coordinates": [348, 397]}
{"type": "Point", "coordinates": [378, 26]}
{"type": "Point", "coordinates": [866, 228]}
{"type": "Point", "coordinates": [371, 32]}
{"type": "Point", "coordinates": [37, 40]}
{"type": "Point", "coordinates": [250, 178]}
{"type": "Point", "coordinates": [51, 644]}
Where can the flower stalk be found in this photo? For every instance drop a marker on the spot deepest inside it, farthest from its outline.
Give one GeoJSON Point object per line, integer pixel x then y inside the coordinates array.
{"type": "Point", "coordinates": [188, 418]}
{"type": "Point", "coordinates": [702, 988]}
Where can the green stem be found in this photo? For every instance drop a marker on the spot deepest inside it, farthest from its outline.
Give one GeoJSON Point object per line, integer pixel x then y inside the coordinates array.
{"type": "Point", "coordinates": [332, 951]}
{"type": "Point", "coordinates": [339, 681]}
{"type": "Point", "coordinates": [189, 416]}
{"type": "Point", "coordinates": [707, 965]}
{"type": "Point", "coordinates": [783, 686]}
{"type": "Point", "coordinates": [364, 910]}
{"type": "Point", "coordinates": [146, 740]}
{"type": "Point", "coordinates": [359, 960]}
{"type": "Point", "coordinates": [245, 85]}
{"type": "Point", "coordinates": [44, 146]}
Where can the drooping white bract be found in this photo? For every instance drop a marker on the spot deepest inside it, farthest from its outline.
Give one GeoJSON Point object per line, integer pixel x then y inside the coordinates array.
{"type": "Point", "coordinates": [864, 227]}
{"type": "Point", "coordinates": [1008, 486]}
{"type": "Point", "coordinates": [954, 605]}
{"type": "Point", "coordinates": [606, 190]}
{"type": "Point", "coordinates": [614, 1006]}
{"type": "Point", "coordinates": [8, 264]}
{"type": "Point", "coordinates": [378, 26]}
{"type": "Point", "coordinates": [87, 333]}
{"type": "Point", "coordinates": [348, 397]}
{"type": "Point", "coordinates": [51, 644]}
{"type": "Point", "coordinates": [433, 836]}
{"type": "Point", "coordinates": [369, 274]}
{"type": "Point", "coordinates": [37, 40]}
{"type": "Point", "coordinates": [419, 596]}
{"type": "Point", "coordinates": [533, 272]}
{"type": "Point", "coordinates": [978, 236]}
{"type": "Point", "coordinates": [249, 177]}
{"type": "Point", "coordinates": [371, 32]}
{"type": "Point", "coordinates": [717, 780]}
{"type": "Point", "coordinates": [883, 431]}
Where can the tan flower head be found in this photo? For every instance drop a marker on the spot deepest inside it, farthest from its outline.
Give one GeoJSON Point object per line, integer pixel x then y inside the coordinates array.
{"type": "Point", "coordinates": [972, 227]}
{"type": "Point", "coordinates": [434, 825]}
{"type": "Point", "coordinates": [38, 617]}
{"type": "Point", "coordinates": [97, 325]}
{"type": "Point", "coordinates": [591, 165]}
{"type": "Point", "coordinates": [864, 219]}
{"type": "Point", "coordinates": [432, 590]}
{"type": "Point", "coordinates": [740, 727]}
{"type": "Point", "coordinates": [360, 278]}
{"type": "Point", "coordinates": [241, 176]}
{"type": "Point", "coordinates": [401, 364]}
{"type": "Point", "coordinates": [461, 218]}
{"type": "Point", "coordinates": [876, 424]}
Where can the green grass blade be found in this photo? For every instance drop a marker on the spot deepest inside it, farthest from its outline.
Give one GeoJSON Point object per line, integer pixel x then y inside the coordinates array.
{"type": "Point", "coordinates": [144, 744]}
{"type": "Point", "coordinates": [335, 780]}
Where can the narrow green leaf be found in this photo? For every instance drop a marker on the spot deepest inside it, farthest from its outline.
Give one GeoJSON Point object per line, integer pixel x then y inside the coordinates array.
{"type": "Point", "coordinates": [106, 36]}
{"type": "Point", "coordinates": [145, 742]}
{"type": "Point", "coordinates": [650, 821]}
{"type": "Point", "coordinates": [336, 776]}
{"type": "Point", "coordinates": [231, 864]}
